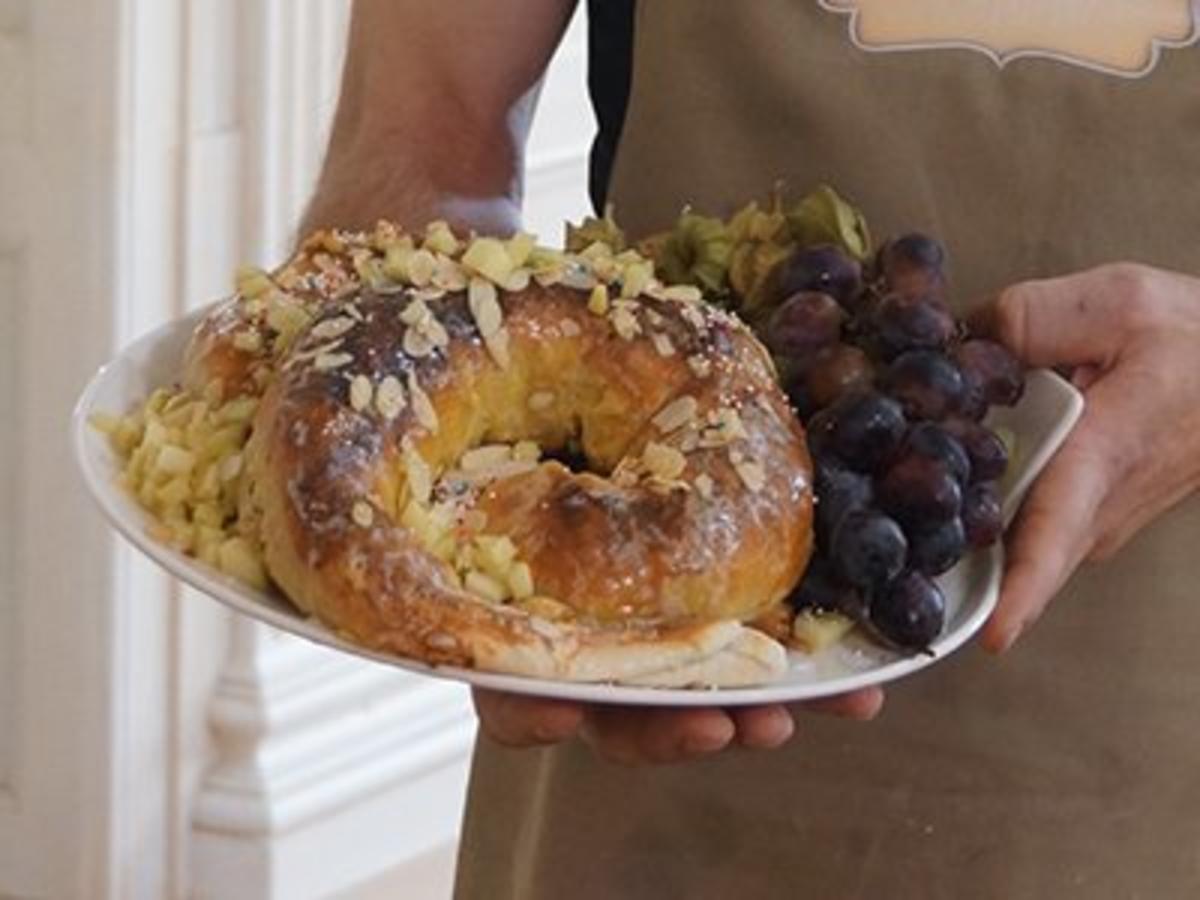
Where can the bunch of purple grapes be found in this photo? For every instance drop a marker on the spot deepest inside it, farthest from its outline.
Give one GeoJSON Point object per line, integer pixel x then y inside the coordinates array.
{"type": "Point", "coordinates": [893, 391]}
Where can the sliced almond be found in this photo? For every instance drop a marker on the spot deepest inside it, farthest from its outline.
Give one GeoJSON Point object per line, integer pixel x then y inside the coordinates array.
{"type": "Point", "coordinates": [683, 292]}
{"type": "Point", "coordinates": [752, 475]}
{"type": "Point", "coordinates": [389, 397]}
{"type": "Point", "coordinates": [448, 274]}
{"type": "Point", "coordinates": [416, 312]}
{"type": "Point", "coordinates": [497, 347]}
{"type": "Point", "coordinates": [518, 280]}
{"type": "Point", "coordinates": [421, 266]}
{"type": "Point", "coordinates": [728, 423]}
{"type": "Point", "coordinates": [428, 294]}
{"type": "Point", "coordinates": [663, 461]}
{"type": "Point", "coordinates": [704, 485]}
{"type": "Point", "coordinates": [625, 323]}
{"type": "Point", "coordinates": [435, 331]}
{"type": "Point", "coordinates": [695, 318]}
{"type": "Point", "coordinates": [327, 362]}
{"type": "Point", "coordinates": [570, 328]}
{"type": "Point", "coordinates": [415, 343]}
{"type": "Point", "coordinates": [361, 392]}
{"type": "Point", "coordinates": [662, 343]}
{"type": "Point", "coordinates": [422, 406]}
{"type": "Point", "coordinates": [700, 366]}
{"type": "Point", "coordinates": [419, 476]}
{"type": "Point", "coordinates": [485, 307]}
{"type": "Point", "coordinates": [329, 329]}
{"type": "Point", "coordinates": [440, 239]}
{"type": "Point", "coordinates": [362, 513]}
{"type": "Point", "coordinates": [676, 414]}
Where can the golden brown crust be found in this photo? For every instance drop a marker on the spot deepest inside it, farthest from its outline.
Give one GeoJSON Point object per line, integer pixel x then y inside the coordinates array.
{"type": "Point", "coordinates": [659, 566]}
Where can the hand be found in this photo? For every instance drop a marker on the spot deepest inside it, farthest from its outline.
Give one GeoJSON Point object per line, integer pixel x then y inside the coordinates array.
{"type": "Point", "coordinates": [1132, 336]}
{"type": "Point", "coordinates": [632, 735]}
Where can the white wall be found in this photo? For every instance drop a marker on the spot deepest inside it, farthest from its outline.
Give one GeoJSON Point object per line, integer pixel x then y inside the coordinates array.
{"type": "Point", "coordinates": [152, 745]}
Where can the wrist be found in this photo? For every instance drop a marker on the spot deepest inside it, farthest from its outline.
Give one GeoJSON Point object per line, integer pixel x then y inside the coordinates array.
{"type": "Point", "coordinates": [358, 188]}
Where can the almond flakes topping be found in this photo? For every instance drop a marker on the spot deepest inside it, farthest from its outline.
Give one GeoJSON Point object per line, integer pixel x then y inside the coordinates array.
{"type": "Point", "coordinates": [389, 397]}
{"type": "Point", "coordinates": [361, 392]}
{"type": "Point", "coordinates": [329, 329]}
{"type": "Point", "coordinates": [663, 461]}
{"type": "Point", "coordinates": [485, 307]}
{"type": "Point", "coordinates": [676, 414]}
{"type": "Point", "coordinates": [327, 362]}
{"type": "Point", "coordinates": [752, 475]}
{"type": "Point", "coordinates": [422, 406]}
{"type": "Point", "coordinates": [362, 513]}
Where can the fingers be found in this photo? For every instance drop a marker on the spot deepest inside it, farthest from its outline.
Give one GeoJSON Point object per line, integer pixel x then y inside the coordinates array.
{"type": "Point", "coordinates": [639, 735]}
{"type": "Point", "coordinates": [1051, 537]}
{"type": "Point", "coordinates": [861, 706]}
{"type": "Point", "coordinates": [519, 721]}
{"type": "Point", "coordinates": [762, 727]}
{"type": "Point", "coordinates": [632, 735]}
{"type": "Point", "coordinates": [1078, 320]}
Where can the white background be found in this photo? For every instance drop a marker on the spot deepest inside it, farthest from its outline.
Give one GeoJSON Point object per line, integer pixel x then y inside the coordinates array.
{"type": "Point", "coordinates": [151, 745]}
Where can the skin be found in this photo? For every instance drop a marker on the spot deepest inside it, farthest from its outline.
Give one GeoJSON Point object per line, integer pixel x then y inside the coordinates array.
{"type": "Point", "coordinates": [1131, 334]}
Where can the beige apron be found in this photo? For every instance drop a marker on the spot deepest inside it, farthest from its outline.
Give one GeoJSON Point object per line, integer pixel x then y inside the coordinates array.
{"type": "Point", "coordinates": [1069, 768]}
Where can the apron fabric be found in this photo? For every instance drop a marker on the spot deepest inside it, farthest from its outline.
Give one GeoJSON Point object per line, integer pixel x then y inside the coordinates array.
{"type": "Point", "coordinates": [1069, 768]}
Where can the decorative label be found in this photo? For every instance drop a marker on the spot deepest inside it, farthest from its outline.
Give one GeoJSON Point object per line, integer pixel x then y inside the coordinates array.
{"type": "Point", "coordinates": [1121, 37]}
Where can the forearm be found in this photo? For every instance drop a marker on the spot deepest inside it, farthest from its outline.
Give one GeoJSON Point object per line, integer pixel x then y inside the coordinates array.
{"type": "Point", "coordinates": [434, 111]}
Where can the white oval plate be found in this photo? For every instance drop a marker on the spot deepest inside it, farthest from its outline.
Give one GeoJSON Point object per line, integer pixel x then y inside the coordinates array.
{"type": "Point", "coordinates": [1040, 423]}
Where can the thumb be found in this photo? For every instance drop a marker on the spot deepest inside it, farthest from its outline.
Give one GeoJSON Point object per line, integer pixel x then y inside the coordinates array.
{"type": "Point", "coordinates": [1069, 321]}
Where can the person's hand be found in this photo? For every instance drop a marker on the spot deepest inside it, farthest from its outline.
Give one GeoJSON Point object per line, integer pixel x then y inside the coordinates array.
{"type": "Point", "coordinates": [1131, 334]}
{"type": "Point", "coordinates": [639, 735]}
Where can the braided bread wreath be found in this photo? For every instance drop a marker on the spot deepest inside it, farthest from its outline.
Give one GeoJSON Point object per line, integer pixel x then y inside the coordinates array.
{"type": "Point", "coordinates": [395, 469]}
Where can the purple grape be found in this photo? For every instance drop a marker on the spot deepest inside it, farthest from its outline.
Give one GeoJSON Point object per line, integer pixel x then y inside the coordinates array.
{"type": "Point", "coordinates": [818, 589]}
{"type": "Point", "coordinates": [982, 516]}
{"type": "Point", "coordinates": [988, 455]}
{"type": "Point", "coordinates": [911, 323]}
{"type": "Point", "coordinates": [991, 374]}
{"type": "Point", "coordinates": [869, 549]}
{"type": "Point", "coordinates": [920, 492]}
{"type": "Point", "coordinates": [818, 433]}
{"type": "Point", "coordinates": [867, 428]}
{"type": "Point", "coordinates": [803, 324]}
{"type": "Point", "coordinates": [837, 370]}
{"type": "Point", "coordinates": [927, 384]}
{"type": "Point", "coordinates": [936, 550]}
{"type": "Point", "coordinates": [911, 265]}
{"type": "Point", "coordinates": [822, 267]}
{"type": "Point", "coordinates": [839, 491]}
{"type": "Point", "coordinates": [932, 440]}
{"type": "Point", "coordinates": [910, 612]}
